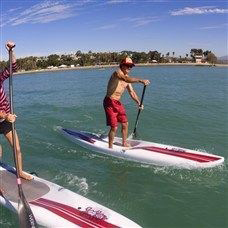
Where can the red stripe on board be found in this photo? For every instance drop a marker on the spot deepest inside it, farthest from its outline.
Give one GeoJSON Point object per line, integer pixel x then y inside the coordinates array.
{"type": "Point", "coordinates": [63, 214]}
{"type": "Point", "coordinates": [82, 215]}
{"type": "Point", "coordinates": [183, 154]}
{"type": "Point", "coordinates": [79, 135]}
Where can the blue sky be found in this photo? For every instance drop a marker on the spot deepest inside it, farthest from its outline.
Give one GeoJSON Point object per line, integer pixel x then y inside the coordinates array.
{"type": "Point", "coordinates": [43, 27]}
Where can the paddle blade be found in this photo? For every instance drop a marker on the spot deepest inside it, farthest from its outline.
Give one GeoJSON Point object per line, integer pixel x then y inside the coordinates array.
{"type": "Point", "coordinates": [133, 135]}
{"type": "Point", "coordinates": [26, 217]}
{"type": "Point", "coordinates": [130, 136]}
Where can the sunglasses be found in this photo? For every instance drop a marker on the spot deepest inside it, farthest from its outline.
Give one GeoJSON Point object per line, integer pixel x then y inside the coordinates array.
{"type": "Point", "coordinates": [128, 66]}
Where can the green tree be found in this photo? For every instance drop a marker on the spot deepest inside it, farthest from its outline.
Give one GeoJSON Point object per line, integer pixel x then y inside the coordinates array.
{"type": "Point", "coordinates": [78, 53]}
{"type": "Point", "coordinates": [3, 64]}
{"type": "Point", "coordinates": [28, 63]}
{"type": "Point", "coordinates": [42, 63]}
{"type": "Point", "coordinates": [66, 60]}
{"type": "Point", "coordinates": [211, 58]}
{"type": "Point", "coordinates": [53, 60]}
{"type": "Point", "coordinates": [154, 55]}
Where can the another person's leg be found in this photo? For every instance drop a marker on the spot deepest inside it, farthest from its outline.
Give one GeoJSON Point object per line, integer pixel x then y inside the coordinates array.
{"type": "Point", "coordinates": [1, 191]}
{"type": "Point", "coordinates": [0, 152]}
{"type": "Point", "coordinates": [9, 137]}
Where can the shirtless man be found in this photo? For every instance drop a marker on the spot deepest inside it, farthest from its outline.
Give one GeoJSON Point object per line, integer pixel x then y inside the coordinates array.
{"type": "Point", "coordinates": [114, 110]}
{"type": "Point", "coordinates": [6, 118]}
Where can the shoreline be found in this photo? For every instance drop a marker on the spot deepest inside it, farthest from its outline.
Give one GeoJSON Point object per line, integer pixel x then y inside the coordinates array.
{"type": "Point", "coordinates": [110, 66]}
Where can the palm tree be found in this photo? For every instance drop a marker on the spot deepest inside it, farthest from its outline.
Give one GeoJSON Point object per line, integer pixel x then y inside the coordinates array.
{"type": "Point", "coordinates": [173, 55]}
{"type": "Point", "coordinates": [186, 57]}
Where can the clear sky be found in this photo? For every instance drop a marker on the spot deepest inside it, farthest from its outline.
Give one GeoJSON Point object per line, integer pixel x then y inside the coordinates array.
{"type": "Point", "coordinates": [43, 27]}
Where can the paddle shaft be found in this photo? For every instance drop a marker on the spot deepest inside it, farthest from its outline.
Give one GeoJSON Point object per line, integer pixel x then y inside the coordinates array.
{"type": "Point", "coordinates": [26, 217]}
{"type": "Point", "coordinates": [139, 111]}
{"type": "Point", "coordinates": [12, 112]}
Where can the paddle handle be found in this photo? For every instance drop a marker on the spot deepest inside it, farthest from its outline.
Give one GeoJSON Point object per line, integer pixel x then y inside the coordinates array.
{"type": "Point", "coordinates": [139, 111]}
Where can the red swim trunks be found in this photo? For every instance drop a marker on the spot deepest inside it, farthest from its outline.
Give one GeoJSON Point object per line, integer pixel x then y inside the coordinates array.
{"type": "Point", "coordinates": [115, 112]}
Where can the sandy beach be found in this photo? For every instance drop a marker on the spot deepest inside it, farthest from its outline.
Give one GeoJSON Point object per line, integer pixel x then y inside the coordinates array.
{"type": "Point", "coordinates": [109, 66]}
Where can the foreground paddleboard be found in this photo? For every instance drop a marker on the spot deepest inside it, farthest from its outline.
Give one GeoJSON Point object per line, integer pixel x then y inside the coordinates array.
{"type": "Point", "coordinates": [55, 206]}
{"type": "Point", "coordinates": [144, 152]}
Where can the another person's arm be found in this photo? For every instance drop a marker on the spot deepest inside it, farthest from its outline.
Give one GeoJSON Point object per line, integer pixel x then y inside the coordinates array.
{"type": "Point", "coordinates": [5, 73]}
{"type": "Point", "coordinates": [8, 117]}
{"type": "Point", "coordinates": [10, 45]}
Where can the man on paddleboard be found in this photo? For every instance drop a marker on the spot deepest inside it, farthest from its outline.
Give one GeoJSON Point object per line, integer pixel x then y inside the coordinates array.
{"type": "Point", "coordinates": [114, 109]}
{"type": "Point", "coordinates": [6, 119]}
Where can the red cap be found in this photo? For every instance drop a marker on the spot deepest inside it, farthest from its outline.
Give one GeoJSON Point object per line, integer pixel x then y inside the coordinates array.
{"type": "Point", "coordinates": [127, 61]}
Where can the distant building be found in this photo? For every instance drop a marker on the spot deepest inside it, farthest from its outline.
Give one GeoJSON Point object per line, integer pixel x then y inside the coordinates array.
{"type": "Point", "coordinates": [198, 58]}
{"type": "Point", "coordinates": [62, 66]}
{"type": "Point", "coordinates": [197, 55]}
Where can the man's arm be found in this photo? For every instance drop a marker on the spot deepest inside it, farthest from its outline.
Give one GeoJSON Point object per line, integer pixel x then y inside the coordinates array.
{"type": "Point", "coordinates": [133, 94]}
{"type": "Point", "coordinates": [130, 79]}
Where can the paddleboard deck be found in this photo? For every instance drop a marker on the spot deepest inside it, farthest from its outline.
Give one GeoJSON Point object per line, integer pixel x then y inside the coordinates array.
{"type": "Point", "coordinates": [55, 206]}
{"type": "Point", "coordinates": [143, 151]}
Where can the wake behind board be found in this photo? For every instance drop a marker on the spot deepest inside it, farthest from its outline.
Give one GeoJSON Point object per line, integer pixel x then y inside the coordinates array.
{"type": "Point", "coordinates": [144, 152]}
{"type": "Point", "coordinates": [55, 206]}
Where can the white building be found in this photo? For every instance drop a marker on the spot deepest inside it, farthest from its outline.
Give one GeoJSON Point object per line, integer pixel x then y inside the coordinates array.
{"type": "Point", "coordinates": [198, 58]}
{"type": "Point", "coordinates": [62, 66]}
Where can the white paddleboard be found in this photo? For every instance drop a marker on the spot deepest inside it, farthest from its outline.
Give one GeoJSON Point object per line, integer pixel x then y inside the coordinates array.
{"type": "Point", "coordinates": [55, 206]}
{"type": "Point", "coordinates": [143, 151]}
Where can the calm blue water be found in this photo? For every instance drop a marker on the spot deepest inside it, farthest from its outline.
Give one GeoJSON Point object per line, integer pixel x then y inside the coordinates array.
{"type": "Point", "coordinates": [184, 106]}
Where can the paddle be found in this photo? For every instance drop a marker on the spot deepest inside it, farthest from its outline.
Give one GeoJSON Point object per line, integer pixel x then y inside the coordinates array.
{"type": "Point", "coordinates": [26, 217]}
{"type": "Point", "coordinates": [134, 135]}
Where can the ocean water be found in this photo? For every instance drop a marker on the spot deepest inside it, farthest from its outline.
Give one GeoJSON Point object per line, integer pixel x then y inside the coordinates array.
{"type": "Point", "coordinates": [183, 106]}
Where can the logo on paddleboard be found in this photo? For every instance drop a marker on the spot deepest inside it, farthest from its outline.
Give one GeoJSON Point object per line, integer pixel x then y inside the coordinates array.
{"type": "Point", "coordinates": [177, 149]}
{"type": "Point", "coordinates": [97, 213]}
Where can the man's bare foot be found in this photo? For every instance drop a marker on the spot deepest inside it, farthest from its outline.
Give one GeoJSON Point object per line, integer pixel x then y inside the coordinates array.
{"type": "Point", "coordinates": [26, 176]}
{"type": "Point", "coordinates": [126, 144]}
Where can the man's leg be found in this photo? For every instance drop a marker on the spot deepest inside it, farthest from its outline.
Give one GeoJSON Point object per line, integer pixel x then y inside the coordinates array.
{"type": "Point", "coordinates": [124, 134]}
{"type": "Point", "coordinates": [111, 136]}
{"type": "Point", "coordinates": [9, 137]}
